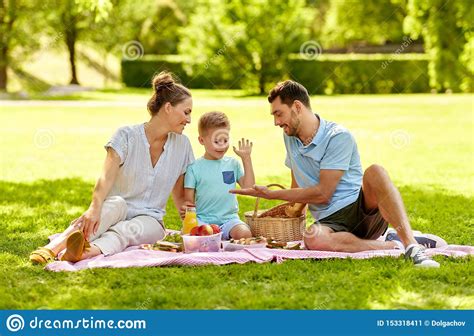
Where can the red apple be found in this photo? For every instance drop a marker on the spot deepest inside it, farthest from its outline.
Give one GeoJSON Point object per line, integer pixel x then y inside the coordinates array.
{"type": "Point", "coordinates": [205, 230]}
{"type": "Point", "coordinates": [194, 231]}
{"type": "Point", "coordinates": [215, 228]}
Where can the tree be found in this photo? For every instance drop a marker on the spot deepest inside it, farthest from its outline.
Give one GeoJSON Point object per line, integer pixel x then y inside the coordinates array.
{"type": "Point", "coordinates": [159, 32]}
{"type": "Point", "coordinates": [447, 29]}
{"type": "Point", "coordinates": [351, 22]}
{"type": "Point", "coordinates": [245, 40]}
{"type": "Point", "coordinates": [321, 8]}
{"type": "Point", "coordinates": [74, 19]}
{"type": "Point", "coordinates": [129, 15]}
{"type": "Point", "coordinates": [20, 24]}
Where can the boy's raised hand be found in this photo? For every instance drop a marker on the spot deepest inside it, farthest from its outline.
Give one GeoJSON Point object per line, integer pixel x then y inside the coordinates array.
{"type": "Point", "coordinates": [245, 148]}
{"type": "Point", "coordinates": [182, 209]}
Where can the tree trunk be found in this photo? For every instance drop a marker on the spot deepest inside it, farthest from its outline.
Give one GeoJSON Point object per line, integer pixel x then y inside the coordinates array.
{"type": "Point", "coordinates": [69, 22]}
{"type": "Point", "coordinates": [261, 83]}
{"type": "Point", "coordinates": [71, 36]}
{"type": "Point", "coordinates": [7, 17]}
{"type": "Point", "coordinates": [3, 68]}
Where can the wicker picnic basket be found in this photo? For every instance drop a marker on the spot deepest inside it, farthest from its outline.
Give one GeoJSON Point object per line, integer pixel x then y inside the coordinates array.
{"type": "Point", "coordinates": [274, 223]}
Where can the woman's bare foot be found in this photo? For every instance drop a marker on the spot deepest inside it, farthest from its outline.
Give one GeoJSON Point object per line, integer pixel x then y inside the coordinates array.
{"type": "Point", "coordinates": [91, 252]}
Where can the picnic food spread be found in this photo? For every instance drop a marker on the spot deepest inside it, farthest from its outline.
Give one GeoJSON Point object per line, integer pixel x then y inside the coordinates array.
{"type": "Point", "coordinates": [171, 243]}
{"type": "Point", "coordinates": [174, 243]}
{"type": "Point", "coordinates": [249, 241]}
{"type": "Point", "coordinates": [287, 218]}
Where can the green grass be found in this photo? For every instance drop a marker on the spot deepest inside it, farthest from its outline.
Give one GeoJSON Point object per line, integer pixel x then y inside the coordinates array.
{"type": "Point", "coordinates": [52, 154]}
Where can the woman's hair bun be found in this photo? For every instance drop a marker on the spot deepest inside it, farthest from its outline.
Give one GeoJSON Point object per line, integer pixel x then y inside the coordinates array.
{"type": "Point", "coordinates": [163, 80]}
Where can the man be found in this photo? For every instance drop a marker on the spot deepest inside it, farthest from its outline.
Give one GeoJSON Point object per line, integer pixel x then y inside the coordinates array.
{"type": "Point", "coordinates": [352, 208]}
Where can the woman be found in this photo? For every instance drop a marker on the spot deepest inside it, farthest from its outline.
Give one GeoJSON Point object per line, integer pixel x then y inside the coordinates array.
{"type": "Point", "coordinates": [144, 164]}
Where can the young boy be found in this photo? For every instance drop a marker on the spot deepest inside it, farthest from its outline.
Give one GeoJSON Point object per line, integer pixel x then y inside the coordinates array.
{"type": "Point", "coordinates": [209, 179]}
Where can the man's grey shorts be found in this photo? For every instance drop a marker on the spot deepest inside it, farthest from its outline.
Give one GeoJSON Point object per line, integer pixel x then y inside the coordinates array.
{"type": "Point", "coordinates": [355, 219]}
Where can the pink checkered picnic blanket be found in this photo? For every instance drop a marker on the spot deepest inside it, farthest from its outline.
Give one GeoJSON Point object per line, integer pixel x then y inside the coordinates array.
{"type": "Point", "coordinates": [136, 257]}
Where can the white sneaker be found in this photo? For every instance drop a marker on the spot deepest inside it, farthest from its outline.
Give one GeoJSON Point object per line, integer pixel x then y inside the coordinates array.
{"type": "Point", "coordinates": [417, 254]}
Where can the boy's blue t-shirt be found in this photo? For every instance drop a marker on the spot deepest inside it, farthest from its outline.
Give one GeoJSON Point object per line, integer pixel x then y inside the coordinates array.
{"type": "Point", "coordinates": [212, 180]}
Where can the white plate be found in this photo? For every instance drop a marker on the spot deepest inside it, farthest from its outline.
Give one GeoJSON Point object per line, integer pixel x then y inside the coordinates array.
{"type": "Point", "coordinates": [236, 247]}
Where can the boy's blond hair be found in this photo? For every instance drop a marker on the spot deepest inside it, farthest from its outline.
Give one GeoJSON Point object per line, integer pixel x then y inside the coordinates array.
{"type": "Point", "coordinates": [210, 120]}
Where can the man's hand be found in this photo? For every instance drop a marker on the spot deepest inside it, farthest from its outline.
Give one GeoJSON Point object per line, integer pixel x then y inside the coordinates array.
{"type": "Point", "coordinates": [245, 148]}
{"type": "Point", "coordinates": [255, 191]}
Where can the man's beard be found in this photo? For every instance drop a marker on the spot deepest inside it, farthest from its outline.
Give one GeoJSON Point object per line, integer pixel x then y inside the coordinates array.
{"type": "Point", "coordinates": [294, 124]}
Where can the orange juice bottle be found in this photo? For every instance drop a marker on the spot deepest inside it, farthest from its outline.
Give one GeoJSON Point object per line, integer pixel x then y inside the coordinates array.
{"type": "Point", "coordinates": [190, 220]}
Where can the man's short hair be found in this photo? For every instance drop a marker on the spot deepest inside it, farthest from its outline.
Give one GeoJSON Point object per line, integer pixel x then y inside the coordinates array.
{"type": "Point", "coordinates": [289, 91]}
{"type": "Point", "coordinates": [212, 120]}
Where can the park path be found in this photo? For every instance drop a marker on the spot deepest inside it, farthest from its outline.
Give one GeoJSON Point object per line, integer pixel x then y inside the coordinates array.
{"type": "Point", "coordinates": [127, 103]}
{"type": "Point", "coordinates": [71, 103]}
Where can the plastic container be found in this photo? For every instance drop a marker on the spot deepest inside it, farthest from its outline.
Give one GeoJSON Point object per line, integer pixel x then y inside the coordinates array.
{"type": "Point", "coordinates": [210, 243]}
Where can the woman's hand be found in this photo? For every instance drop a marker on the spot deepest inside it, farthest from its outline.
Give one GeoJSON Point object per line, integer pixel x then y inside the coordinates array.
{"type": "Point", "coordinates": [89, 221]}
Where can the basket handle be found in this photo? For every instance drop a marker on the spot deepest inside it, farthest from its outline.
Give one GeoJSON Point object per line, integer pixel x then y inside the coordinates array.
{"type": "Point", "coordinates": [258, 198]}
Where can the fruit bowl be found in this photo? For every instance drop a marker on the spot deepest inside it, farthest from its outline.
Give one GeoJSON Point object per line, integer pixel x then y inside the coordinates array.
{"type": "Point", "coordinates": [211, 243]}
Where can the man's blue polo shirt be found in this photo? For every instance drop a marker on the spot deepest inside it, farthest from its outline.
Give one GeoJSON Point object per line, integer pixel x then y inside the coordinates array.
{"type": "Point", "coordinates": [333, 147]}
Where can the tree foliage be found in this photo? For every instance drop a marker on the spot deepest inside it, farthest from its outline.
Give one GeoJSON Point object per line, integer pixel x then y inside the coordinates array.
{"type": "Point", "coordinates": [350, 22]}
{"type": "Point", "coordinates": [447, 29]}
{"type": "Point", "coordinates": [21, 27]}
{"type": "Point", "coordinates": [245, 40]}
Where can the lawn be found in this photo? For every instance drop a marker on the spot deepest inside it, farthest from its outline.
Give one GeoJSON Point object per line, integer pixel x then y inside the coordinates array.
{"type": "Point", "coordinates": [51, 153]}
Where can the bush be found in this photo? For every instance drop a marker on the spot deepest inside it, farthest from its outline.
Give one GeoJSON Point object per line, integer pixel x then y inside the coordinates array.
{"type": "Point", "coordinates": [327, 74]}
{"type": "Point", "coordinates": [352, 73]}
{"type": "Point", "coordinates": [138, 73]}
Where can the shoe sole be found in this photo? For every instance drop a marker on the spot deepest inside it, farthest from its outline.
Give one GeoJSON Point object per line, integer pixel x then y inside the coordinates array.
{"type": "Point", "coordinates": [74, 247]}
